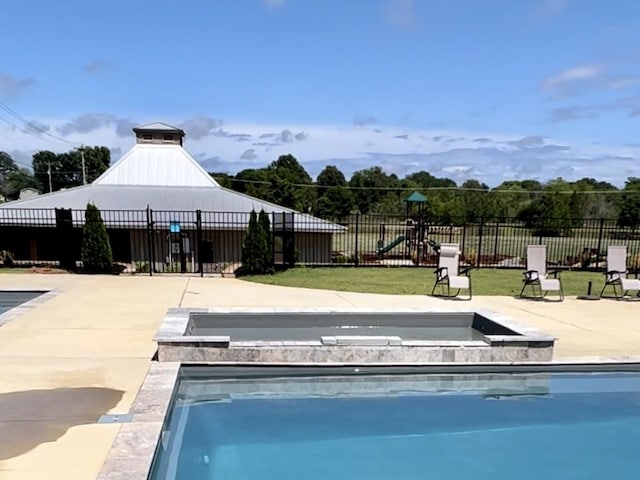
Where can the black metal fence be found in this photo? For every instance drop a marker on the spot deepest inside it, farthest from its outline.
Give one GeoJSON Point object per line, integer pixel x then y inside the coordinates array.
{"type": "Point", "coordinates": [149, 241]}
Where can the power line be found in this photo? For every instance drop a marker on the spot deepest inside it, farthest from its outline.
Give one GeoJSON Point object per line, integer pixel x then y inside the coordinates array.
{"type": "Point", "coordinates": [32, 125]}
{"type": "Point", "coordinates": [455, 189]}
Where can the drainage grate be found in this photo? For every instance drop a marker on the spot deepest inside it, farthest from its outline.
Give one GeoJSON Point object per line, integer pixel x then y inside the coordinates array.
{"type": "Point", "coordinates": [116, 418]}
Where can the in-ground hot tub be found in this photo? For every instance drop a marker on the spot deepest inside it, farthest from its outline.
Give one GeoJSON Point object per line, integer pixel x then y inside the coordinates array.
{"type": "Point", "coordinates": [352, 336]}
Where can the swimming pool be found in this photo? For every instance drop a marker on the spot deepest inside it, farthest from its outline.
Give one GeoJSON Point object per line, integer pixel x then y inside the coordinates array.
{"type": "Point", "coordinates": [402, 424]}
{"type": "Point", "coordinates": [12, 298]}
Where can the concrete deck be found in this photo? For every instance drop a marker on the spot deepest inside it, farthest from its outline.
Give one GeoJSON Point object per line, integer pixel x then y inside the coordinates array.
{"type": "Point", "coordinates": [85, 352]}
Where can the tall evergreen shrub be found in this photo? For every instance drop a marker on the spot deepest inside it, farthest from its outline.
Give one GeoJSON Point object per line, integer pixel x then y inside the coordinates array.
{"type": "Point", "coordinates": [267, 243]}
{"type": "Point", "coordinates": [96, 249]}
{"type": "Point", "coordinates": [257, 248]}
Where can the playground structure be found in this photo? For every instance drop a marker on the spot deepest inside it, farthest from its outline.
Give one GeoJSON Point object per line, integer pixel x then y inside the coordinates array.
{"type": "Point", "coordinates": [410, 240]}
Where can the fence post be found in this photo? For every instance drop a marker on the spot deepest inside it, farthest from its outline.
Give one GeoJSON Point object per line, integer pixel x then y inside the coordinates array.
{"type": "Point", "coordinates": [464, 238]}
{"type": "Point", "coordinates": [150, 240]}
{"type": "Point", "coordinates": [479, 242]}
{"type": "Point", "coordinates": [199, 241]}
{"type": "Point", "coordinates": [356, 254]}
{"type": "Point", "coordinates": [495, 243]}
{"type": "Point", "coordinates": [541, 232]}
{"type": "Point", "coordinates": [600, 234]}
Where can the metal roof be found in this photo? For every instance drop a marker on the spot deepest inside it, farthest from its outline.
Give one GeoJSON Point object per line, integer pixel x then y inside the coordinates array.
{"type": "Point", "coordinates": [157, 164]}
{"type": "Point", "coordinates": [158, 126]}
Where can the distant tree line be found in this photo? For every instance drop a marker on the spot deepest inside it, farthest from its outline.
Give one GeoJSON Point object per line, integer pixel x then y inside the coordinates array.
{"type": "Point", "coordinates": [552, 208]}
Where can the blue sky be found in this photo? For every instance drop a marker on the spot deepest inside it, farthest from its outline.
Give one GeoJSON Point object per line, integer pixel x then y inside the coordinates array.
{"type": "Point", "coordinates": [488, 89]}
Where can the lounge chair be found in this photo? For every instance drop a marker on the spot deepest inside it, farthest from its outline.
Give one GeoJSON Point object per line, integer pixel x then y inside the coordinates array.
{"type": "Point", "coordinates": [537, 277]}
{"type": "Point", "coordinates": [448, 274]}
{"type": "Point", "coordinates": [616, 274]}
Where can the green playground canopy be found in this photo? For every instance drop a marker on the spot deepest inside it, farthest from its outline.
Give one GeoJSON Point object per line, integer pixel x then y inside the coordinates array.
{"type": "Point", "coordinates": [416, 197]}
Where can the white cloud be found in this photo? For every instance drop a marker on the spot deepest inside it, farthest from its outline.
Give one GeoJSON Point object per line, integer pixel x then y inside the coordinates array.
{"type": "Point", "coordinates": [574, 80]}
{"type": "Point", "coordinates": [460, 155]}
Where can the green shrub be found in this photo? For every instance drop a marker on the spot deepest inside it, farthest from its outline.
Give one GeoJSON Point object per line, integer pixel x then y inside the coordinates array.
{"type": "Point", "coordinates": [142, 267]}
{"type": "Point", "coordinates": [6, 257]}
{"type": "Point", "coordinates": [257, 248]}
{"type": "Point", "coordinates": [266, 243]}
{"type": "Point", "coordinates": [96, 250]}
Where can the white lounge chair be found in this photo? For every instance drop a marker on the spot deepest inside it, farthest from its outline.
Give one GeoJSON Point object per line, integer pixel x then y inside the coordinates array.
{"type": "Point", "coordinates": [537, 276]}
{"type": "Point", "coordinates": [448, 274]}
{"type": "Point", "coordinates": [616, 274]}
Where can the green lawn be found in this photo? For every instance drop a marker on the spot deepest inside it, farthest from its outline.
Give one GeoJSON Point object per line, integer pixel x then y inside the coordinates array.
{"type": "Point", "coordinates": [14, 270]}
{"type": "Point", "coordinates": [416, 281]}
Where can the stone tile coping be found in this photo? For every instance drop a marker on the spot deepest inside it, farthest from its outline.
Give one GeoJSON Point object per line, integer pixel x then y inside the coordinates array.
{"type": "Point", "coordinates": [175, 323]}
{"type": "Point", "coordinates": [134, 447]}
{"type": "Point", "coordinates": [15, 312]}
{"type": "Point", "coordinates": [133, 450]}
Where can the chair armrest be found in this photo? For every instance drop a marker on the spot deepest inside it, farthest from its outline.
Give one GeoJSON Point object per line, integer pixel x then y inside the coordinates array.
{"type": "Point", "coordinates": [555, 273]}
{"type": "Point", "coordinates": [441, 272]}
{"type": "Point", "coordinates": [612, 275]}
{"type": "Point", "coordinates": [464, 271]}
{"type": "Point", "coordinates": [529, 274]}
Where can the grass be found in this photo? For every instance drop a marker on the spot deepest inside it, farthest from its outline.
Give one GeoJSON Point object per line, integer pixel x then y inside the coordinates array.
{"type": "Point", "coordinates": [13, 270]}
{"type": "Point", "coordinates": [417, 281]}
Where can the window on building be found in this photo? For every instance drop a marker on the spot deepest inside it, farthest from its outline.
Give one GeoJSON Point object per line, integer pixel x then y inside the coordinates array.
{"type": "Point", "coordinates": [147, 136]}
{"type": "Point", "coordinates": [168, 138]}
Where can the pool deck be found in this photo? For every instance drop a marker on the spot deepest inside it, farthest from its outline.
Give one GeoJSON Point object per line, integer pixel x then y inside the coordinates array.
{"type": "Point", "coordinates": [85, 352]}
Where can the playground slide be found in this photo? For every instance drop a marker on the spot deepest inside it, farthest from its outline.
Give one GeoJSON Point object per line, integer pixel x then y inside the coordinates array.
{"type": "Point", "coordinates": [390, 246]}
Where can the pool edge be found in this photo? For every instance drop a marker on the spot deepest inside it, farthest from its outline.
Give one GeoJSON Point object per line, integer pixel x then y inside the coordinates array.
{"type": "Point", "coordinates": [15, 312]}
{"type": "Point", "coordinates": [133, 451]}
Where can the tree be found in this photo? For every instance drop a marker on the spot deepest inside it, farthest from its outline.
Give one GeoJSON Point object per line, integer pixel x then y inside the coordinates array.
{"type": "Point", "coordinates": [597, 205]}
{"type": "Point", "coordinates": [370, 186]}
{"type": "Point", "coordinates": [41, 163]}
{"type": "Point", "coordinates": [286, 175]}
{"type": "Point", "coordinates": [254, 249]}
{"type": "Point", "coordinates": [335, 204]}
{"type": "Point", "coordinates": [267, 243]}
{"type": "Point", "coordinates": [66, 168]}
{"type": "Point", "coordinates": [548, 215]}
{"type": "Point", "coordinates": [7, 168]}
{"type": "Point", "coordinates": [507, 199]}
{"type": "Point", "coordinates": [96, 161]}
{"type": "Point", "coordinates": [96, 249]}
{"type": "Point", "coordinates": [223, 179]}
{"type": "Point", "coordinates": [629, 213]}
{"type": "Point", "coordinates": [251, 181]}
{"type": "Point", "coordinates": [330, 176]}
{"type": "Point", "coordinates": [472, 204]}
{"type": "Point", "coordinates": [19, 180]}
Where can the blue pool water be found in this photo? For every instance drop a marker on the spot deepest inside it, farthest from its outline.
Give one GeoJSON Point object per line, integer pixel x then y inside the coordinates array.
{"type": "Point", "coordinates": [12, 298]}
{"type": "Point", "coordinates": [501, 426]}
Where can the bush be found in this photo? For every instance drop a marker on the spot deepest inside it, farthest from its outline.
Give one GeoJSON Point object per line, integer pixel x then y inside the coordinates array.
{"type": "Point", "coordinates": [96, 250]}
{"type": "Point", "coordinates": [257, 248]}
{"type": "Point", "coordinates": [267, 244]}
{"type": "Point", "coordinates": [142, 267]}
{"type": "Point", "coordinates": [6, 257]}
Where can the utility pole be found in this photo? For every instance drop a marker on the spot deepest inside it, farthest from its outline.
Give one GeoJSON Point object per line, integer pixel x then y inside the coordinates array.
{"type": "Point", "coordinates": [84, 171]}
{"type": "Point", "coordinates": [49, 173]}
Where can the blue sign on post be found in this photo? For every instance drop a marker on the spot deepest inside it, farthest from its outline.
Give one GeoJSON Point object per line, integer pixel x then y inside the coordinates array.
{"type": "Point", "coordinates": [174, 227]}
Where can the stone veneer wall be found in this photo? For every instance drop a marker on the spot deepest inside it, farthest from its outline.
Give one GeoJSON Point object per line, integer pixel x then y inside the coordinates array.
{"type": "Point", "coordinates": [173, 346]}
{"type": "Point", "coordinates": [198, 352]}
